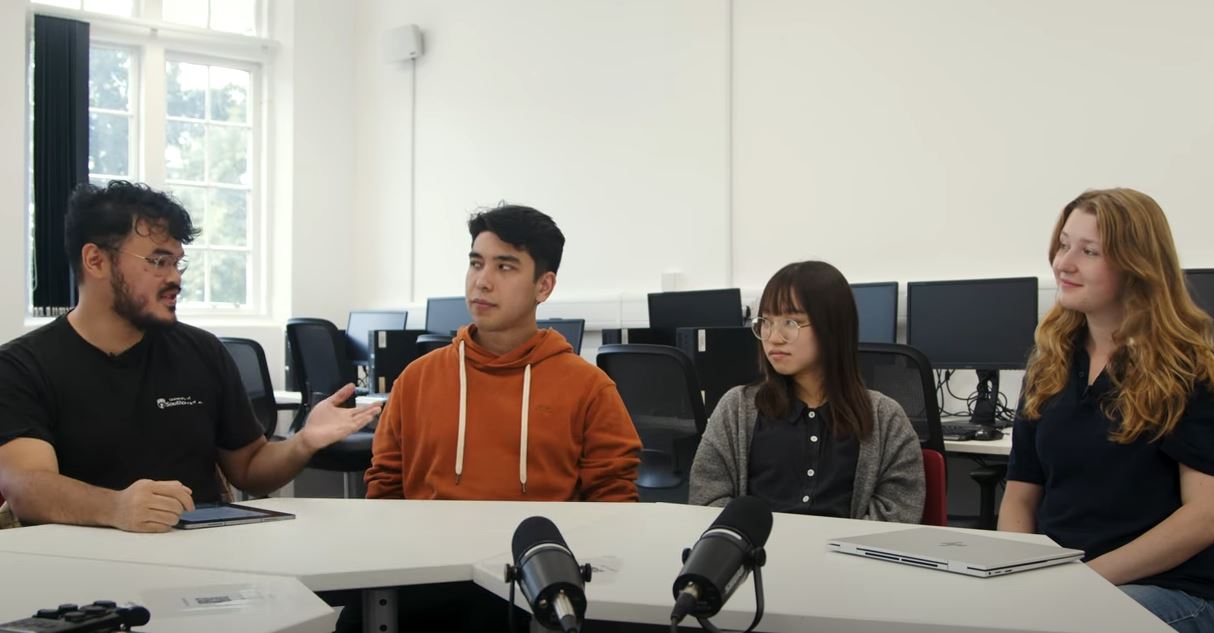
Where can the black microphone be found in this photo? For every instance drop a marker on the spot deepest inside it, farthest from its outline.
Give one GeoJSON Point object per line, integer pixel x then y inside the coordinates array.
{"type": "Point", "coordinates": [549, 575]}
{"type": "Point", "coordinates": [722, 559]}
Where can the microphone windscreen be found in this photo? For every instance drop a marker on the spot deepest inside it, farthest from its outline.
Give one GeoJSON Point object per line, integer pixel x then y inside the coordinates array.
{"type": "Point", "coordinates": [748, 516]}
{"type": "Point", "coordinates": [534, 531]}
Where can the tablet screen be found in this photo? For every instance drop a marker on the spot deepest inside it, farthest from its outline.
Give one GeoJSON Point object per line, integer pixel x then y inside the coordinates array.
{"type": "Point", "coordinates": [220, 513]}
{"type": "Point", "coordinates": [212, 515]}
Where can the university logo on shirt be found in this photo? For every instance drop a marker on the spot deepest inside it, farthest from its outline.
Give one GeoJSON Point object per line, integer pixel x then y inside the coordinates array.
{"type": "Point", "coordinates": [179, 401]}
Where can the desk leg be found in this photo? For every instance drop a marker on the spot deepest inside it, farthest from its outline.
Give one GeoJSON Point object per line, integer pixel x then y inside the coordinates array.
{"type": "Point", "coordinates": [379, 611]}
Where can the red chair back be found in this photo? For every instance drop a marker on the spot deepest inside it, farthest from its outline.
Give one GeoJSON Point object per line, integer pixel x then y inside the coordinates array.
{"type": "Point", "coordinates": [935, 505]}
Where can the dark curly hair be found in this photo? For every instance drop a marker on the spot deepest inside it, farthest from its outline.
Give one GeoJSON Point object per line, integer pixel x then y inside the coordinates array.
{"type": "Point", "coordinates": [106, 215]}
{"type": "Point", "coordinates": [525, 228]}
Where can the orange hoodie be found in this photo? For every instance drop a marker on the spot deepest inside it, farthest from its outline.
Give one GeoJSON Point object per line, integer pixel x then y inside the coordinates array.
{"type": "Point", "coordinates": [538, 423]}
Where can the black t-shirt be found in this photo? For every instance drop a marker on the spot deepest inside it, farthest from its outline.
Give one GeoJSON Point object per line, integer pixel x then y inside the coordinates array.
{"type": "Point", "coordinates": [1099, 495]}
{"type": "Point", "coordinates": [798, 465]}
{"type": "Point", "coordinates": [159, 410]}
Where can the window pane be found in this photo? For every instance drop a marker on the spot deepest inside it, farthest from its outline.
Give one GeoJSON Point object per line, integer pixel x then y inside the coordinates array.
{"type": "Point", "coordinates": [185, 90]}
{"type": "Point", "coordinates": [183, 154]}
{"type": "Point", "coordinates": [194, 201]}
{"type": "Point", "coordinates": [229, 217]}
{"type": "Point", "coordinates": [115, 7]}
{"type": "Point", "coordinates": [191, 12]}
{"type": "Point", "coordinates": [109, 78]}
{"type": "Point", "coordinates": [194, 278]}
{"type": "Point", "coordinates": [70, 4]}
{"type": "Point", "coordinates": [236, 16]}
{"type": "Point", "coordinates": [228, 152]}
{"type": "Point", "coordinates": [109, 144]}
{"type": "Point", "coordinates": [229, 94]}
{"type": "Point", "coordinates": [227, 276]}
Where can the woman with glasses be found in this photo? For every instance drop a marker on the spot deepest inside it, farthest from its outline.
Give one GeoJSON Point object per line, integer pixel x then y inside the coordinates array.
{"type": "Point", "coordinates": [808, 437]}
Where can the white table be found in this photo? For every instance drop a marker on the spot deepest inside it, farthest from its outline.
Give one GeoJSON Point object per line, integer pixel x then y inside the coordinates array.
{"type": "Point", "coordinates": [256, 603]}
{"type": "Point", "coordinates": [1001, 447]}
{"type": "Point", "coordinates": [362, 544]}
{"type": "Point", "coordinates": [810, 589]}
{"type": "Point", "coordinates": [295, 397]}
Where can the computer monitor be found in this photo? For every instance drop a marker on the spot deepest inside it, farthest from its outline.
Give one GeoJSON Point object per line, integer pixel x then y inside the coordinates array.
{"type": "Point", "coordinates": [877, 306]}
{"type": "Point", "coordinates": [445, 315]}
{"type": "Point", "coordinates": [360, 325]}
{"type": "Point", "coordinates": [696, 308]}
{"type": "Point", "coordinates": [571, 329]}
{"type": "Point", "coordinates": [973, 324]}
{"type": "Point", "coordinates": [1201, 285]}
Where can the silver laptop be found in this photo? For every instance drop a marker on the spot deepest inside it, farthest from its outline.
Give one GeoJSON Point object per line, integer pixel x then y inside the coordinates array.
{"type": "Point", "coordinates": [958, 552]}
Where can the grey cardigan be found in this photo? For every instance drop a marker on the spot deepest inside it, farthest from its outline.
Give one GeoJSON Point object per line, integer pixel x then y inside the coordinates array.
{"type": "Point", "coordinates": [889, 483]}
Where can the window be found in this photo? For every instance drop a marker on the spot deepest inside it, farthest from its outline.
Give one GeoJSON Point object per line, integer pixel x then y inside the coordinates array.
{"type": "Point", "coordinates": [181, 111]}
{"type": "Point", "coordinates": [208, 145]}
{"type": "Point", "coordinates": [113, 7]}
{"type": "Point", "coordinates": [113, 147]}
{"type": "Point", "coordinates": [233, 16]}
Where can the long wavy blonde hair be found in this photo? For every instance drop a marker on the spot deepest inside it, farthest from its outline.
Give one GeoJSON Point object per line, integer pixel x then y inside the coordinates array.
{"type": "Point", "coordinates": [1165, 344]}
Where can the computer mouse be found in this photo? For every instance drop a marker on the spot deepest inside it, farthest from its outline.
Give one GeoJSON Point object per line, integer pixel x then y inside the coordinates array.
{"type": "Point", "coordinates": [987, 434]}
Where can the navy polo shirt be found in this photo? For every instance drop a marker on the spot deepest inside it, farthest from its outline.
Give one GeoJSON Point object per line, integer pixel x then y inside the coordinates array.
{"type": "Point", "coordinates": [1099, 495]}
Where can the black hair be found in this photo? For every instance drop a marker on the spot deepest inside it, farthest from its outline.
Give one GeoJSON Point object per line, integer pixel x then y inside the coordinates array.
{"type": "Point", "coordinates": [525, 228]}
{"type": "Point", "coordinates": [107, 215]}
{"type": "Point", "coordinates": [823, 294]}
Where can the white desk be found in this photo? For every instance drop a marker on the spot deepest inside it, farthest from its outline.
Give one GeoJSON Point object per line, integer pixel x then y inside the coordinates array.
{"type": "Point", "coordinates": [810, 589]}
{"type": "Point", "coordinates": [1001, 447]}
{"type": "Point", "coordinates": [332, 544]}
{"type": "Point", "coordinates": [295, 397]}
{"type": "Point", "coordinates": [270, 603]}
{"type": "Point", "coordinates": [348, 544]}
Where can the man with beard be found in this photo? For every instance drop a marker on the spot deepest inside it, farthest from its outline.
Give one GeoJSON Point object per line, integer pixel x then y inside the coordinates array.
{"type": "Point", "coordinates": [116, 414]}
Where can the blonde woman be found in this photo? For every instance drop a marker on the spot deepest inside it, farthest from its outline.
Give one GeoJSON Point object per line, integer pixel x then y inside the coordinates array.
{"type": "Point", "coordinates": [1113, 452]}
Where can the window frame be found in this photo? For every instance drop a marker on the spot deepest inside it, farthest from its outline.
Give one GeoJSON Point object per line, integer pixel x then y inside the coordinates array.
{"type": "Point", "coordinates": [152, 43]}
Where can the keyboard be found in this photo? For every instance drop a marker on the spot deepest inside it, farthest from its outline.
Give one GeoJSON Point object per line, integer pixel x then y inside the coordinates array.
{"type": "Point", "coordinates": [958, 431]}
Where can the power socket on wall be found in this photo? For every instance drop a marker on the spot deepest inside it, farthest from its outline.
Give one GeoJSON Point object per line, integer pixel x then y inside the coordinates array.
{"type": "Point", "coordinates": [671, 281]}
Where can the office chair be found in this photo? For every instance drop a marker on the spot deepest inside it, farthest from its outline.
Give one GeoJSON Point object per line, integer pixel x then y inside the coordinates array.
{"type": "Point", "coordinates": [254, 371]}
{"type": "Point", "coordinates": [988, 477]}
{"type": "Point", "coordinates": [904, 374]}
{"type": "Point", "coordinates": [319, 357]}
{"type": "Point", "coordinates": [935, 503]}
{"type": "Point", "coordinates": [571, 329]}
{"type": "Point", "coordinates": [427, 343]}
{"type": "Point", "coordinates": [659, 387]}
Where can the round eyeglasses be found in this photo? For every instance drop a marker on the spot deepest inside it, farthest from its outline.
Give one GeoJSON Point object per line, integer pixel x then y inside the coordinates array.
{"type": "Point", "coordinates": [161, 263]}
{"type": "Point", "coordinates": [787, 328]}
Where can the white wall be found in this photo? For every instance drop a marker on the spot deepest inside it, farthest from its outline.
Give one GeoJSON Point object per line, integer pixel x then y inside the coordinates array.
{"type": "Point", "coordinates": [609, 116]}
{"type": "Point", "coordinates": [900, 141]}
{"type": "Point", "coordinates": [13, 174]}
{"type": "Point", "coordinates": [940, 139]}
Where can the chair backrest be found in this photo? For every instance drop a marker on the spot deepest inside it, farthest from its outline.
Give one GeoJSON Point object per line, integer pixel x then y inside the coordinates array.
{"type": "Point", "coordinates": [255, 375]}
{"type": "Point", "coordinates": [571, 329]}
{"type": "Point", "coordinates": [427, 343]}
{"type": "Point", "coordinates": [318, 354]}
{"type": "Point", "coordinates": [657, 383]}
{"type": "Point", "coordinates": [904, 374]}
{"type": "Point", "coordinates": [935, 503]}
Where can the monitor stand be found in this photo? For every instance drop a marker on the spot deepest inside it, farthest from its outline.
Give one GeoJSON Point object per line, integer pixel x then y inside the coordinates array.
{"type": "Point", "coordinates": [986, 405]}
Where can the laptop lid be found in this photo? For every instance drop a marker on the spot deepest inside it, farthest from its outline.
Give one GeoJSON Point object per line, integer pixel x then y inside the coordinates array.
{"type": "Point", "coordinates": [953, 550]}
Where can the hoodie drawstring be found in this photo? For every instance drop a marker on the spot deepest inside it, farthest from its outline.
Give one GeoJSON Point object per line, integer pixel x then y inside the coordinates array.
{"type": "Point", "coordinates": [463, 415]}
{"type": "Point", "coordinates": [463, 422]}
{"type": "Point", "coordinates": [522, 447]}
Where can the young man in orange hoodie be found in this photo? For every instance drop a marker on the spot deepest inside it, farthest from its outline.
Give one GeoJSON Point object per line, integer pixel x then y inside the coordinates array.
{"type": "Point", "coordinates": [507, 411]}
